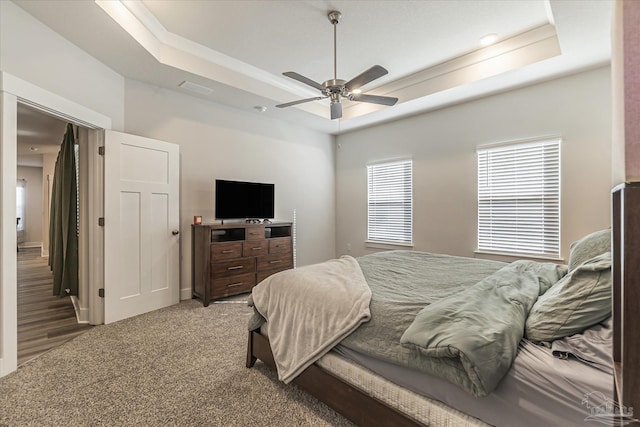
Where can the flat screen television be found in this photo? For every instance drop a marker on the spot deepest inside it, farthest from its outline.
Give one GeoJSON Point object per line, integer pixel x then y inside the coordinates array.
{"type": "Point", "coordinates": [244, 200]}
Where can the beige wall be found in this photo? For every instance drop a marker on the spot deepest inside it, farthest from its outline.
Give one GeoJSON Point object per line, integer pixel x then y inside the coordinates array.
{"type": "Point", "coordinates": [625, 65]}
{"type": "Point", "coordinates": [631, 45]}
{"type": "Point", "coordinates": [35, 53]}
{"type": "Point", "coordinates": [442, 144]}
{"type": "Point", "coordinates": [215, 141]}
{"type": "Point", "coordinates": [617, 98]}
{"type": "Point", "coordinates": [218, 142]}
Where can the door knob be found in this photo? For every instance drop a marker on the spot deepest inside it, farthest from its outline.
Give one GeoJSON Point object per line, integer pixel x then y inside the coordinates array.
{"type": "Point", "coordinates": [175, 232]}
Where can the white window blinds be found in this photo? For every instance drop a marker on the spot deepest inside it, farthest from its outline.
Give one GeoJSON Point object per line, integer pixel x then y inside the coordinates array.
{"type": "Point", "coordinates": [519, 198]}
{"type": "Point", "coordinates": [390, 202]}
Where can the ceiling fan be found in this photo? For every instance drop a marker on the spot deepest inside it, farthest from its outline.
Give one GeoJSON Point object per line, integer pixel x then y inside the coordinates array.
{"type": "Point", "coordinates": [336, 88]}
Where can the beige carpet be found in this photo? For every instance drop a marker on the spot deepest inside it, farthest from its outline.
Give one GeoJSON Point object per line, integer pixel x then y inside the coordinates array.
{"type": "Point", "coordinates": [180, 366]}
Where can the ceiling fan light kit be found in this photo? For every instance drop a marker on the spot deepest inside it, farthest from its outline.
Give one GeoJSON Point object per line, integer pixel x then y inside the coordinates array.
{"type": "Point", "coordinates": [335, 88]}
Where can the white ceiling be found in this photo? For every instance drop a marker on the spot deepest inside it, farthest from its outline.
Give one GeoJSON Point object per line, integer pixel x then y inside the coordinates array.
{"type": "Point", "coordinates": [431, 48]}
{"type": "Point", "coordinates": [38, 134]}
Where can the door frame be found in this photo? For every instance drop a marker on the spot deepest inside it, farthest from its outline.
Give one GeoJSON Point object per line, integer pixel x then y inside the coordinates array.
{"type": "Point", "coordinates": [14, 90]}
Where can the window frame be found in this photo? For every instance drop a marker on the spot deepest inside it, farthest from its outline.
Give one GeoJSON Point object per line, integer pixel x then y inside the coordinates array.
{"type": "Point", "coordinates": [548, 199]}
{"type": "Point", "coordinates": [374, 238]}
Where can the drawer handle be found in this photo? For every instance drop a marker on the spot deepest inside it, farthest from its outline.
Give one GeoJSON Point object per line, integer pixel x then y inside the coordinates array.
{"type": "Point", "coordinates": [279, 246]}
{"type": "Point", "coordinates": [235, 267]}
{"type": "Point", "coordinates": [256, 248]}
{"type": "Point", "coordinates": [233, 285]}
{"type": "Point", "coordinates": [275, 261]}
{"type": "Point", "coordinates": [227, 251]}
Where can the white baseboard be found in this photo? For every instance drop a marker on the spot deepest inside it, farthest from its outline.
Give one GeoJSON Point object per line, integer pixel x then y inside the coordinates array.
{"type": "Point", "coordinates": [5, 366]}
{"type": "Point", "coordinates": [30, 245]}
{"type": "Point", "coordinates": [44, 253]}
{"type": "Point", "coordinates": [82, 314]}
{"type": "Point", "coordinates": [185, 294]}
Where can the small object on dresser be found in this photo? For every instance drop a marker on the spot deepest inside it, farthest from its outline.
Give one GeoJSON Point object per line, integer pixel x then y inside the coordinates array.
{"type": "Point", "coordinates": [197, 219]}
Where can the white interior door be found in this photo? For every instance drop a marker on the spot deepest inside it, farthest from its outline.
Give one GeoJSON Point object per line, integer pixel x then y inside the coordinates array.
{"type": "Point", "coordinates": [141, 225]}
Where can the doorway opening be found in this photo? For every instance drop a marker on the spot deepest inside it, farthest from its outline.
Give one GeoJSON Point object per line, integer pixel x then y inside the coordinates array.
{"type": "Point", "coordinates": [44, 321]}
{"type": "Point", "coordinates": [14, 92]}
{"type": "Point", "coordinates": [118, 158]}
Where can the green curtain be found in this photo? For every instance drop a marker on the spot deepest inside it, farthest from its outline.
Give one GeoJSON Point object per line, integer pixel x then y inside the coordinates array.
{"type": "Point", "coordinates": [63, 223]}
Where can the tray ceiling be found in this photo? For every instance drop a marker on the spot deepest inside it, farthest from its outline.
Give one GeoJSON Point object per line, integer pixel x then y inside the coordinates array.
{"type": "Point", "coordinates": [238, 49]}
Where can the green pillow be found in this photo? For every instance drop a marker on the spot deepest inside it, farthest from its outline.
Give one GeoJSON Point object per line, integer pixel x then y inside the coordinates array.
{"type": "Point", "coordinates": [589, 246]}
{"type": "Point", "coordinates": [580, 299]}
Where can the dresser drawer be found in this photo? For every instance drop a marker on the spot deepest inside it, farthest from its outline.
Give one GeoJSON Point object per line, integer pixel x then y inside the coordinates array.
{"type": "Point", "coordinates": [232, 285]}
{"type": "Point", "coordinates": [255, 248]}
{"type": "Point", "coordinates": [233, 267]}
{"type": "Point", "coordinates": [226, 250]}
{"type": "Point", "coordinates": [255, 233]}
{"type": "Point", "coordinates": [280, 245]}
{"type": "Point", "coordinates": [272, 262]}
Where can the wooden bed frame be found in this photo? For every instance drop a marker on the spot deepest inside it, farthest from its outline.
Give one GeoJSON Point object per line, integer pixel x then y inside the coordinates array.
{"type": "Point", "coordinates": [362, 409]}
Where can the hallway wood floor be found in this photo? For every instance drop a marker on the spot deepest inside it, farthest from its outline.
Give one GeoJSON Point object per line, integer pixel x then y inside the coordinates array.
{"type": "Point", "coordinates": [44, 321]}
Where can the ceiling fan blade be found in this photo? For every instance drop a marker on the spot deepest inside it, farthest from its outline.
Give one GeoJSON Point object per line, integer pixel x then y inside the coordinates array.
{"type": "Point", "coordinates": [368, 76]}
{"type": "Point", "coordinates": [336, 110]}
{"type": "Point", "coordinates": [305, 80]}
{"type": "Point", "coordinates": [300, 101]}
{"type": "Point", "coordinates": [374, 99]}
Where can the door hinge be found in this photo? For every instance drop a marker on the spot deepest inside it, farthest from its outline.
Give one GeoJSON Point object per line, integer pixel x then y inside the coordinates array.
{"type": "Point", "coordinates": [101, 150]}
{"type": "Point", "coordinates": [101, 292]}
{"type": "Point", "coordinates": [101, 221]}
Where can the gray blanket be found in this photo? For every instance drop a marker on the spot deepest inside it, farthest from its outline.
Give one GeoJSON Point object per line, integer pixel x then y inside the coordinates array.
{"type": "Point", "coordinates": [309, 310]}
{"type": "Point", "coordinates": [475, 334]}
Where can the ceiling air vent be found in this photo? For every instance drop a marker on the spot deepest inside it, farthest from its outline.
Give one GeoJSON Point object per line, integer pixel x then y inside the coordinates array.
{"type": "Point", "coordinates": [194, 87]}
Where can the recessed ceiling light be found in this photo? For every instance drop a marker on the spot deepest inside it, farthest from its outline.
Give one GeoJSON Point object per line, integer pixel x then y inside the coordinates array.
{"type": "Point", "coordinates": [260, 108]}
{"type": "Point", "coordinates": [33, 148]}
{"type": "Point", "coordinates": [488, 39]}
{"type": "Point", "coordinates": [194, 87]}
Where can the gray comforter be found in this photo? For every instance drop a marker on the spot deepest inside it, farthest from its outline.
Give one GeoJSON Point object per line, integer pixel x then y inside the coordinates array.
{"type": "Point", "coordinates": [403, 283]}
{"type": "Point", "coordinates": [474, 334]}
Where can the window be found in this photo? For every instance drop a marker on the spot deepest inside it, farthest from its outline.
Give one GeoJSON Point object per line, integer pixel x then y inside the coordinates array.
{"type": "Point", "coordinates": [519, 198]}
{"type": "Point", "coordinates": [389, 200]}
{"type": "Point", "coordinates": [21, 210]}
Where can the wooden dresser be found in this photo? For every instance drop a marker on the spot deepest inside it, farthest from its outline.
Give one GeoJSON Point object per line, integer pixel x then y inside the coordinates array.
{"type": "Point", "coordinates": [231, 259]}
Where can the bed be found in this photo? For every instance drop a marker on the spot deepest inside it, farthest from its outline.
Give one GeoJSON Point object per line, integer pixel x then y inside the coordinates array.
{"type": "Point", "coordinates": [395, 338]}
